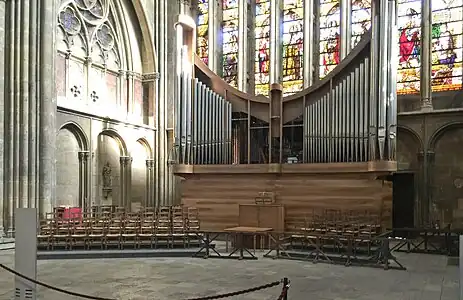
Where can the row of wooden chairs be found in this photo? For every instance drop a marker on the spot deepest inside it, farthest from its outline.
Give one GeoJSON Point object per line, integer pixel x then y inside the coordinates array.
{"type": "Point", "coordinates": [337, 222]}
{"type": "Point", "coordinates": [166, 228]}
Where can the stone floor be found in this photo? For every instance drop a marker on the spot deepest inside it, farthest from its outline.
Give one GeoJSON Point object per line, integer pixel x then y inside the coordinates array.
{"type": "Point", "coordinates": [427, 278]}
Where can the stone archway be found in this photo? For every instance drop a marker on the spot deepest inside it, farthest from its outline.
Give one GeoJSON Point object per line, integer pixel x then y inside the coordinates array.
{"type": "Point", "coordinates": [446, 175]}
{"type": "Point", "coordinates": [111, 169]}
{"type": "Point", "coordinates": [142, 175]}
{"type": "Point", "coordinates": [71, 166]}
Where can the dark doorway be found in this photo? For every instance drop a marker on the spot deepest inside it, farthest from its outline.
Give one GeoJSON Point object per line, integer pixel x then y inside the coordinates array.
{"type": "Point", "coordinates": [403, 200]}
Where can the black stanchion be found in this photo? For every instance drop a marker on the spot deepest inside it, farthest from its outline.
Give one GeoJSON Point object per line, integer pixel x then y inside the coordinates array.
{"type": "Point", "coordinates": [284, 289]}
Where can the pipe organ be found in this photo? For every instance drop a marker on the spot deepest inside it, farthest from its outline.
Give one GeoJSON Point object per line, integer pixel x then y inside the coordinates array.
{"type": "Point", "coordinates": [348, 117]}
{"type": "Point", "coordinates": [337, 118]}
{"type": "Point", "coordinates": [204, 124]}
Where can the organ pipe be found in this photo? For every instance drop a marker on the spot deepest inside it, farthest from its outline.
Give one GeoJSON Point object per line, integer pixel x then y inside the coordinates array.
{"type": "Point", "coordinates": [203, 124]}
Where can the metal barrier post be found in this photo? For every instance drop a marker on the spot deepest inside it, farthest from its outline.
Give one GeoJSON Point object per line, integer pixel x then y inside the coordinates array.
{"type": "Point", "coordinates": [285, 286]}
{"type": "Point", "coordinates": [25, 252]}
{"type": "Point", "coordinates": [460, 266]}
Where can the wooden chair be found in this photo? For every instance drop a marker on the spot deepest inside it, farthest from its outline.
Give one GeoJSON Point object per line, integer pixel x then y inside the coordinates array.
{"type": "Point", "coordinates": [163, 233]}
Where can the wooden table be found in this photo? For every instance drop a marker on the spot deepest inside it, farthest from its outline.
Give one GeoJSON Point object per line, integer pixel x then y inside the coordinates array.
{"type": "Point", "coordinates": [240, 232]}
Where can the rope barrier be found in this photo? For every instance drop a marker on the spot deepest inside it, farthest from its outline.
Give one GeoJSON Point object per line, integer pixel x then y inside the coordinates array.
{"type": "Point", "coordinates": [254, 289]}
{"type": "Point", "coordinates": [283, 295]}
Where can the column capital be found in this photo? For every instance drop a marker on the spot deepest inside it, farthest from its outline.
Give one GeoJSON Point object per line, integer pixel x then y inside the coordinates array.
{"type": "Point", "coordinates": [151, 76]}
{"type": "Point", "coordinates": [83, 155]}
{"type": "Point", "coordinates": [150, 163]}
{"type": "Point", "coordinates": [124, 160]}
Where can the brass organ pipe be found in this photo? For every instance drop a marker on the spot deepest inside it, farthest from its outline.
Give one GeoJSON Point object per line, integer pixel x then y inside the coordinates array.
{"type": "Point", "coordinates": [184, 117]}
{"type": "Point", "coordinates": [197, 94]}
{"type": "Point", "coordinates": [214, 111]}
{"type": "Point", "coordinates": [222, 130]}
{"type": "Point", "coordinates": [202, 98]}
{"type": "Point", "coordinates": [357, 95]}
{"type": "Point", "coordinates": [188, 120]}
{"type": "Point", "coordinates": [369, 113]}
{"type": "Point", "coordinates": [392, 85]}
{"type": "Point", "coordinates": [229, 138]}
{"type": "Point", "coordinates": [206, 126]}
{"type": "Point", "coordinates": [350, 117]}
{"type": "Point", "coordinates": [362, 108]}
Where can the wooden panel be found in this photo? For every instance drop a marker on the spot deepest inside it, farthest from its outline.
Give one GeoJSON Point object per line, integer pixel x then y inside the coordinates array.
{"type": "Point", "coordinates": [218, 196]}
{"type": "Point", "coordinates": [258, 215]}
{"type": "Point", "coordinates": [248, 215]}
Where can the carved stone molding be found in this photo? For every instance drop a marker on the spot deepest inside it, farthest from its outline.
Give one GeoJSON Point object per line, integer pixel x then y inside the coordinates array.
{"type": "Point", "coordinates": [150, 164]}
{"type": "Point", "coordinates": [83, 155]}
{"type": "Point", "coordinates": [149, 77]}
{"type": "Point", "coordinates": [132, 74]}
{"type": "Point", "coordinates": [125, 160]}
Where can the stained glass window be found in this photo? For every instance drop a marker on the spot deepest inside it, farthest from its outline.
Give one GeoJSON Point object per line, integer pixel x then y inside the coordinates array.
{"type": "Point", "coordinates": [330, 35]}
{"type": "Point", "coordinates": [293, 37]}
{"type": "Point", "coordinates": [361, 19]}
{"type": "Point", "coordinates": [447, 16]}
{"type": "Point", "coordinates": [202, 30]}
{"type": "Point", "coordinates": [409, 24]}
{"type": "Point", "coordinates": [262, 59]}
{"type": "Point", "coordinates": [230, 41]}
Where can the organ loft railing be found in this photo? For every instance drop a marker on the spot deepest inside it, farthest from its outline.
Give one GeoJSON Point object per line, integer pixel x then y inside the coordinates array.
{"type": "Point", "coordinates": [349, 116]}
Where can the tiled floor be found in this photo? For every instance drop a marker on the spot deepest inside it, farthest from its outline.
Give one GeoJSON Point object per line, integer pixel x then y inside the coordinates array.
{"type": "Point", "coordinates": [428, 278]}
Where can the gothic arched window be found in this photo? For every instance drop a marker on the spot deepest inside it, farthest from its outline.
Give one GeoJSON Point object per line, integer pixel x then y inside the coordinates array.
{"type": "Point", "coordinates": [446, 45]}
{"type": "Point", "coordinates": [202, 31]}
{"type": "Point", "coordinates": [230, 41]}
{"type": "Point", "coordinates": [262, 62]}
{"type": "Point", "coordinates": [330, 36]}
{"type": "Point", "coordinates": [293, 46]}
{"type": "Point", "coordinates": [361, 19]}
{"type": "Point", "coordinates": [409, 24]}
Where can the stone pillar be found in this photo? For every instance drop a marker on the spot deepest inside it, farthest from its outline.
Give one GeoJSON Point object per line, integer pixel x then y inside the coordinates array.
{"type": "Point", "coordinates": [214, 38]}
{"type": "Point", "coordinates": [309, 45]}
{"type": "Point", "coordinates": [426, 60]}
{"type": "Point", "coordinates": [30, 103]}
{"type": "Point", "coordinates": [83, 180]}
{"type": "Point", "coordinates": [275, 42]}
{"type": "Point", "coordinates": [276, 126]}
{"type": "Point", "coordinates": [2, 112]}
{"type": "Point", "coordinates": [149, 183]}
{"type": "Point", "coordinates": [160, 38]}
{"type": "Point", "coordinates": [242, 45]}
{"type": "Point", "coordinates": [128, 183]}
{"type": "Point", "coordinates": [122, 180]}
{"type": "Point", "coordinates": [346, 30]}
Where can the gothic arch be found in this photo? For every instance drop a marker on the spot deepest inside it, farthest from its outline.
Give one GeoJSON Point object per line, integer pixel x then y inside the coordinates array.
{"type": "Point", "coordinates": [115, 135]}
{"type": "Point", "coordinates": [150, 62]}
{"type": "Point", "coordinates": [441, 131]}
{"type": "Point", "coordinates": [79, 134]}
{"type": "Point", "coordinates": [144, 142]}
{"type": "Point", "coordinates": [412, 134]}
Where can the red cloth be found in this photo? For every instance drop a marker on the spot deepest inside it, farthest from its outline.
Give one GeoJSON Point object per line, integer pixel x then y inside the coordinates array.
{"type": "Point", "coordinates": [72, 213]}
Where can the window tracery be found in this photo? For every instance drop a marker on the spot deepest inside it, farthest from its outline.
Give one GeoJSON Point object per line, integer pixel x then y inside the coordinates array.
{"type": "Point", "coordinates": [330, 36]}
{"type": "Point", "coordinates": [87, 31]}
{"type": "Point", "coordinates": [446, 45]}
{"type": "Point", "coordinates": [262, 52]}
{"type": "Point", "coordinates": [202, 30]}
{"type": "Point", "coordinates": [293, 46]}
{"type": "Point", "coordinates": [230, 41]}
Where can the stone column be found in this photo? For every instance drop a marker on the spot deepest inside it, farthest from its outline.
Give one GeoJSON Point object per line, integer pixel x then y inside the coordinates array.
{"type": "Point", "coordinates": [346, 30]}
{"type": "Point", "coordinates": [275, 41]}
{"type": "Point", "coordinates": [83, 179]}
{"type": "Point", "coordinates": [309, 44]}
{"type": "Point", "coordinates": [30, 107]}
{"type": "Point", "coordinates": [128, 183]}
{"type": "Point", "coordinates": [214, 38]}
{"type": "Point", "coordinates": [122, 181]}
{"type": "Point", "coordinates": [426, 60]}
{"type": "Point", "coordinates": [2, 111]}
{"type": "Point", "coordinates": [47, 139]}
{"type": "Point", "coordinates": [242, 45]}
{"type": "Point", "coordinates": [160, 38]}
{"type": "Point", "coordinates": [149, 183]}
